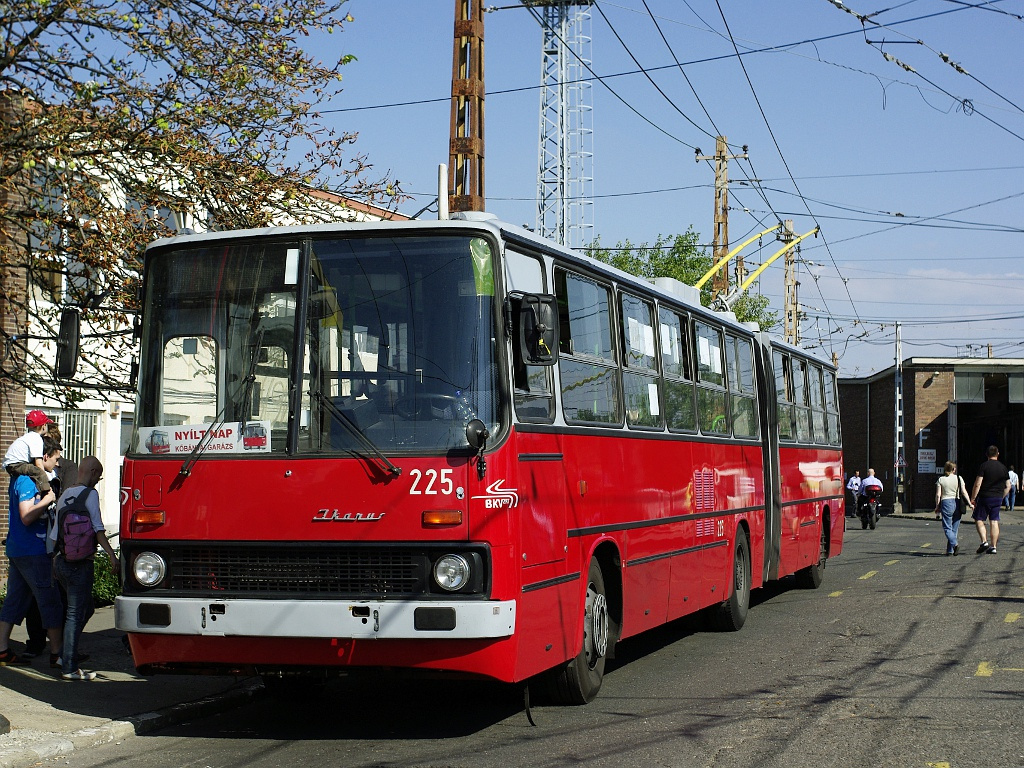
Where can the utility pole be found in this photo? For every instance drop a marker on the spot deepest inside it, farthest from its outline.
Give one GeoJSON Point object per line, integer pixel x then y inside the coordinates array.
{"type": "Point", "coordinates": [900, 460]}
{"type": "Point", "coordinates": [466, 149]}
{"type": "Point", "coordinates": [792, 305]}
{"type": "Point", "coordinates": [720, 282]}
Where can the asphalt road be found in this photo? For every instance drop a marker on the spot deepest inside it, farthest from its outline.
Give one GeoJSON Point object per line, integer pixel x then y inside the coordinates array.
{"type": "Point", "coordinates": [903, 657]}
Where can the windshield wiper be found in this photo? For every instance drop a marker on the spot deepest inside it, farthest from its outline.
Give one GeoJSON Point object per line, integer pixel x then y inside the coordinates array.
{"type": "Point", "coordinates": [200, 449]}
{"type": "Point", "coordinates": [348, 424]}
{"type": "Point", "coordinates": [250, 381]}
{"type": "Point", "coordinates": [218, 421]}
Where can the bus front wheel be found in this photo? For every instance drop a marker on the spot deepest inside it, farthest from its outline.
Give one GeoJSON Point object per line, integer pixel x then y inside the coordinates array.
{"type": "Point", "coordinates": [580, 679]}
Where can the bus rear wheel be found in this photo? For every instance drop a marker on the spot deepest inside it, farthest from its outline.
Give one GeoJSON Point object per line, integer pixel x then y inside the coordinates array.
{"type": "Point", "coordinates": [580, 679]}
{"type": "Point", "coordinates": [811, 576]}
{"type": "Point", "coordinates": [731, 614]}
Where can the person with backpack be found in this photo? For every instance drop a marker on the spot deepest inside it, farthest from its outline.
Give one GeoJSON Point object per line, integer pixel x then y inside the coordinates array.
{"type": "Point", "coordinates": [28, 577]}
{"type": "Point", "coordinates": [78, 530]}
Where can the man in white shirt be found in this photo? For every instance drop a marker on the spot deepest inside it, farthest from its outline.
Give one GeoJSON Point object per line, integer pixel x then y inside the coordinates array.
{"type": "Point", "coordinates": [1011, 497]}
{"type": "Point", "coordinates": [853, 486]}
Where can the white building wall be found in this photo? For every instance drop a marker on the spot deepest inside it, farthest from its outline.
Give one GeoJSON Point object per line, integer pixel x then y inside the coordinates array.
{"type": "Point", "coordinates": [106, 446]}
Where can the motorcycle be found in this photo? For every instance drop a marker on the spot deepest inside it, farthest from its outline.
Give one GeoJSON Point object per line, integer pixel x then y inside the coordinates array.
{"type": "Point", "coordinates": [867, 507]}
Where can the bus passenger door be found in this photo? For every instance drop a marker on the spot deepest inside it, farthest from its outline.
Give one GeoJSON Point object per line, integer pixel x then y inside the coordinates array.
{"type": "Point", "coordinates": [543, 499]}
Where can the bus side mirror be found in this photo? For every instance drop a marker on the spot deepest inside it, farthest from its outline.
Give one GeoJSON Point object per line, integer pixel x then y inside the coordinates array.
{"type": "Point", "coordinates": [67, 343]}
{"type": "Point", "coordinates": [538, 329]}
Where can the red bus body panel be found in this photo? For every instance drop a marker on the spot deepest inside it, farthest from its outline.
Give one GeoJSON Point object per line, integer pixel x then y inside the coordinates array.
{"type": "Point", "coordinates": [573, 495]}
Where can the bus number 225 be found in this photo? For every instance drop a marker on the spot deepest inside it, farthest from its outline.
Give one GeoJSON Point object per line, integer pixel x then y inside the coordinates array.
{"type": "Point", "coordinates": [431, 477]}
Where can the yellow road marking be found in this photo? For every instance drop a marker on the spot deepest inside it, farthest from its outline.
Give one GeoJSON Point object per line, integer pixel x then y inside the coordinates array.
{"type": "Point", "coordinates": [965, 597]}
{"type": "Point", "coordinates": [836, 594]}
{"type": "Point", "coordinates": [1011, 617]}
{"type": "Point", "coordinates": [868, 575]}
{"type": "Point", "coordinates": [943, 764]}
{"type": "Point", "coordinates": [926, 545]}
{"type": "Point", "coordinates": [892, 562]}
{"type": "Point", "coordinates": [986, 668]}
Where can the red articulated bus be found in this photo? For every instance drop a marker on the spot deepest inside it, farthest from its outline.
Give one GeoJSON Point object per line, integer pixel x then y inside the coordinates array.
{"type": "Point", "coordinates": [486, 454]}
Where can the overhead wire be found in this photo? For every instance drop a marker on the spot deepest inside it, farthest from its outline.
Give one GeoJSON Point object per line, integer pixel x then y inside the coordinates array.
{"type": "Point", "coordinates": [782, 156]}
{"type": "Point", "coordinates": [650, 79]}
{"type": "Point", "coordinates": [866, 20]}
{"type": "Point", "coordinates": [686, 77]}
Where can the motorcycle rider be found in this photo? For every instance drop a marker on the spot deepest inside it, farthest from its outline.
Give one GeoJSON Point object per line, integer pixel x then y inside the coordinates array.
{"type": "Point", "coordinates": [867, 483]}
{"type": "Point", "coordinates": [870, 482]}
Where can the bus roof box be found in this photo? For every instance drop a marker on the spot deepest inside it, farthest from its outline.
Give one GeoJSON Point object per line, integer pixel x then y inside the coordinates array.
{"type": "Point", "coordinates": [678, 288]}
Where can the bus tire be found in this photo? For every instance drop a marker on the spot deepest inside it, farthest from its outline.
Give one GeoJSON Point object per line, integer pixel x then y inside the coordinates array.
{"type": "Point", "coordinates": [811, 576]}
{"type": "Point", "coordinates": [579, 680]}
{"type": "Point", "coordinates": [731, 614]}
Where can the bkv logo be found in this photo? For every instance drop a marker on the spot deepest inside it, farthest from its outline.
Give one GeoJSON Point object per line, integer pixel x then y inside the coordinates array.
{"type": "Point", "coordinates": [498, 497]}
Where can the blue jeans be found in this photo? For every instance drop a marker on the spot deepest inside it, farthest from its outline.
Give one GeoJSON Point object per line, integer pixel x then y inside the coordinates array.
{"type": "Point", "coordinates": [950, 523]}
{"type": "Point", "coordinates": [77, 580]}
{"type": "Point", "coordinates": [1011, 499]}
{"type": "Point", "coordinates": [29, 577]}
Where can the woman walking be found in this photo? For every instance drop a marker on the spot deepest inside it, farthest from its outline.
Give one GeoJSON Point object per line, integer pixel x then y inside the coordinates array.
{"type": "Point", "coordinates": [948, 490]}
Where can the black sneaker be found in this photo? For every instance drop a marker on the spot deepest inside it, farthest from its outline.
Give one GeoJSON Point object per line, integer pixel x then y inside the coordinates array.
{"type": "Point", "coordinates": [956, 550]}
{"type": "Point", "coordinates": [10, 659]}
{"type": "Point", "coordinates": [984, 547]}
{"type": "Point", "coordinates": [992, 550]}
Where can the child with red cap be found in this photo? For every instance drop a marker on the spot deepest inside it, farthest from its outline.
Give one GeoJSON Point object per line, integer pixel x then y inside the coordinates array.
{"type": "Point", "coordinates": [25, 456]}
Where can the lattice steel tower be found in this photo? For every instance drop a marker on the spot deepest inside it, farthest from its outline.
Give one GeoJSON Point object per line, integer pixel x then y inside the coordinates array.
{"type": "Point", "coordinates": [565, 175]}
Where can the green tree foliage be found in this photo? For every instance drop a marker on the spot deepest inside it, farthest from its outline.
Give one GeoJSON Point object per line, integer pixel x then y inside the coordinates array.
{"type": "Point", "coordinates": [681, 257]}
{"type": "Point", "coordinates": [105, 586]}
{"type": "Point", "coordinates": [122, 121]}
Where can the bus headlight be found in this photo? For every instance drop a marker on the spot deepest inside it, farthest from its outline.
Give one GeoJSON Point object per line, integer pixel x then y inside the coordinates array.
{"type": "Point", "coordinates": [149, 569]}
{"type": "Point", "coordinates": [451, 572]}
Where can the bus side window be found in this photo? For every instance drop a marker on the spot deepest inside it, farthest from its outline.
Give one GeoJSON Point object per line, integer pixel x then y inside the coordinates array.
{"type": "Point", "coordinates": [817, 403]}
{"type": "Point", "coordinates": [800, 398]}
{"type": "Point", "coordinates": [832, 408]}
{"type": "Point", "coordinates": [784, 395]}
{"type": "Point", "coordinates": [532, 390]}
{"type": "Point", "coordinates": [712, 398]}
{"type": "Point", "coordinates": [587, 366]}
{"type": "Point", "coordinates": [742, 394]}
{"type": "Point", "coordinates": [680, 412]}
{"type": "Point", "coordinates": [640, 383]}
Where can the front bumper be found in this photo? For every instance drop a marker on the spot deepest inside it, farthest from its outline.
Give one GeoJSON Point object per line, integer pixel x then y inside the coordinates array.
{"type": "Point", "coordinates": [356, 619]}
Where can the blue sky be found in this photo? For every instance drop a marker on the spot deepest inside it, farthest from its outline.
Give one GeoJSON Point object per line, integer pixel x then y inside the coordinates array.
{"type": "Point", "coordinates": [914, 177]}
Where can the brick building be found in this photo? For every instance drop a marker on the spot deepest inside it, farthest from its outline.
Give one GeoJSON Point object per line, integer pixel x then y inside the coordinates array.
{"type": "Point", "coordinates": [953, 409]}
{"type": "Point", "coordinates": [13, 323]}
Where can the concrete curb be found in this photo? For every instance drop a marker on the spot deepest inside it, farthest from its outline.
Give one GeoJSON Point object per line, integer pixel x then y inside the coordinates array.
{"type": "Point", "coordinates": [45, 746]}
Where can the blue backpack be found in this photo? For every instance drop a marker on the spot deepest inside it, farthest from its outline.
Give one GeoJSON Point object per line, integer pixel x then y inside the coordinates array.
{"type": "Point", "coordinates": [76, 539]}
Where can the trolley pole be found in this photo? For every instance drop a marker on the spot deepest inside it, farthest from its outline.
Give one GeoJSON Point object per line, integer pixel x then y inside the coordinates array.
{"type": "Point", "coordinates": [720, 283]}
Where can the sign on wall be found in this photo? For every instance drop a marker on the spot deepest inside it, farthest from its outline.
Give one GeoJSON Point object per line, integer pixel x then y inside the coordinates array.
{"type": "Point", "coordinates": [926, 461]}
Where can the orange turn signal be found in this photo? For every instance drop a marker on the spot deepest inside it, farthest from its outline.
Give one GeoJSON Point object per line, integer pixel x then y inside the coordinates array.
{"type": "Point", "coordinates": [148, 517]}
{"type": "Point", "coordinates": [436, 517]}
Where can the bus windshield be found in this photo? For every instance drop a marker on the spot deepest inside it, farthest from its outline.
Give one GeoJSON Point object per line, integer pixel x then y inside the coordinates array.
{"type": "Point", "coordinates": [397, 353]}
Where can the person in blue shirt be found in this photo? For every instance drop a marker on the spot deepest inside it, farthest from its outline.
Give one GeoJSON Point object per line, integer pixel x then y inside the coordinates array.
{"type": "Point", "coordinates": [30, 568]}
